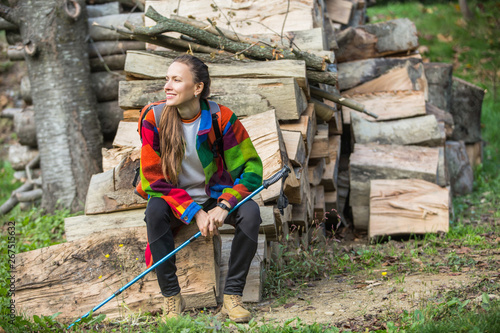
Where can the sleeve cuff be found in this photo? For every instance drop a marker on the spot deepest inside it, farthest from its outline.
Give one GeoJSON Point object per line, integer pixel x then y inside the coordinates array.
{"type": "Point", "coordinates": [190, 212]}
{"type": "Point", "coordinates": [233, 201]}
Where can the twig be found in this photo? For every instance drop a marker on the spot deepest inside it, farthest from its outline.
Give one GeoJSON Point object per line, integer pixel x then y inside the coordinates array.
{"type": "Point", "coordinates": [30, 166]}
{"type": "Point", "coordinates": [13, 201]}
{"type": "Point", "coordinates": [284, 21]}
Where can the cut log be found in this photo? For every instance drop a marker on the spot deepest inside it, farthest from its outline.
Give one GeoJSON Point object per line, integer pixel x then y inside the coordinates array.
{"type": "Point", "coordinates": [131, 115]}
{"type": "Point", "coordinates": [388, 105]}
{"type": "Point", "coordinates": [29, 196]}
{"type": "Point", "coordinates": [83, 273]}
{"type": "Point", "coordinates": [81, 226]}
{"type": "Point", "coordinates": [127, 136]}
{"type": "Point", "coordinates": [311, 40]}
{"type": "Point", "coordinates": [410, 77]}
{"type": "Point", "coordinates": [110, 115]}
{"type": "Point", "coordinates": [316, 171]}
{"type": "Point", "coordinates": [320, 144]}
{"type": "Point", "coordinates": [305, 126]}
{"type": "Point", "coordinates": [329, 177]}
{"type": "Point", "coordinates": [459, 168]}
{"type": "Point", "coordinates": [255, 278]}
{"type": "Point", "coordinates": [475, 153]}
{"type": "Point", "coordinates": [324, 111]}
{"type": "Point", "coordinates": [354, 73]}
{"type": "Point", "coordinates": [467, 101]}
{"type": "Point", "coordinates": [377, 40]}
{"type": "Point", "coordinates": [339, 10]}
{"type": "Point", "coordinates": [99, 34]}
{"type": "Point", "coordinates": [113, 157]}
{"type": "Point", "coordinates": [110, 8]}
{"type": "Point", "coordinates": [20, 156]}
{"type": "Point", "coordinates": [10, 112]}
{"type": "Point", "coordinates": [374, 161]}
{"type": "Point", "coordinates": [146, 65]}
{"type": "Point", "coordinates": [244, 96]}
{"type": "Point", "coordinates": [445, 119]}
{"type": "Point", "coordinates": [319, 205]}
{"type": "Point", "coordinates": [105, 85]}
{"type": "Point", "coordinates": [25, 88]}
{"type": "Point", "coordinates": [439, 80]}
{"type": "Point", "coordinates": [112, 191]}
{"type": "Point", "coordinates": [419, 131]}
{"type": "Point", "coordinates": [330, 203]}
{"type": "Point", "coordinates": [24, 126]}
{"type": "Point", "coordinates": [15, 53]}
{"type": "Point", "coordinates": [105, 48]}
{"type": "Point", "coordinates": [407, 206]}
{"type": "Point", "coordinates": [111, 62]}
{"type": "Point", "coordinates": [6, 25]}
{"type": "Point", "coordinates": [264, 131]}
{"type": "Point", "coordinates": [295, 147]}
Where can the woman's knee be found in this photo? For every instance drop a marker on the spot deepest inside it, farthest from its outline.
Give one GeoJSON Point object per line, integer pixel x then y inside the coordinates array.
{"type": "Point", "coordinates": [250, 213]}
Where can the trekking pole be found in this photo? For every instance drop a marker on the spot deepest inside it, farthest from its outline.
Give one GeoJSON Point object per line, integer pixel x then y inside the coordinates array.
{"type": "Point", "coordinates": [283, 173]}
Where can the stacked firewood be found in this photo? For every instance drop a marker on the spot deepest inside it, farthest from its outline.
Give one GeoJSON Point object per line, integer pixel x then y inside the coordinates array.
{"type": "Point", "coordinates": [386, 169]}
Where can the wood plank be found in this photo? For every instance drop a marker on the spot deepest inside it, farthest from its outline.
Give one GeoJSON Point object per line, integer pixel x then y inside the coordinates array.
{"type": "Point", "coordinates": [423, 130]}
{"type": "Point", "coordinates": [112, 191]}
{"type": "Point", "coordinates": [146, 65]}
{"type": "Point", "coordinates": [73, 277]}
{"type": "Point", "coordinates": [388, 105]}
{"type": "Point", "coordinates": [375, 161]}
{"type": "Point", "coordinates": [254, 283]}
{"type": "Point", "coordinates": [377, 40]}
{"type": "Point", "coordinates": [295, 147]}
{"type": "Point", "coordinates": [407, 206]}
{"type": "Point", "coordinates": [244, 96]}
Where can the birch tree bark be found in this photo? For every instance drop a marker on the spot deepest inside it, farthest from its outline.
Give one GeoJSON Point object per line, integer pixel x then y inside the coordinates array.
{"type": "Point", "coordinates": [68, 132]}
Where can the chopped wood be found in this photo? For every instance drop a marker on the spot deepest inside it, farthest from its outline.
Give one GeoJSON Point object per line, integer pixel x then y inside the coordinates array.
{"type": "Point", "coordinates": [444, 118]}
{"type": "Point", "coordinates": [410, 77]}
{"type": "Point", "coordinates": [423, 131]}
{"type": "Point", "coordinates": [127, 136]}
{"type": "Point", "coordinates": [146, 65]}
{"type": "Point", "coordinates": [111, 62]}
{"type": "Point", "coordinates": [439, 79]}
{"type": "Point", "coordinates": [319, 205]}
{"type": "Point", "coordinates": [320, 144]}
{"type": "Point", "coordinates": [19, 156]}
{"type": "Point", "coordinates": [264, 131]}
{"type": "Point", "coordinates": [105, 48]}
{"type": "Point", "coordinates": [131, 115]}
{"type": "Point", "coordinates": [10, 112]}
{"type": "Point", "coordinates": [377, 40]}
{"type": "Point", "coordinates": [110, 114]}
{"type": "Point", "coordinates": [354, 73]}
{"type": "Point", "coordinates": [105, 85]}
{"type": "Point", "coordinates": [244, 96]}
{"type": "Point", "coordinates": [305, 126]}
{"type": "Point", "coordinates": [82, 273]}
{"type": "Point", "coordinates": [339, 10]}
{"type": "Point", "coordinates": [24, 126]}
{"type": "Point", "coordinates": [375, 161]}
{"type": "Point", "coordinates": [407, 206]}
{"type": "Point", "coordinates": [389, 105]}
{"type": "Point", "coordinates": [316, 171]}
{"type": "Point", "coordinates": [341, 100]}
{"type": "Point", "coordinates": [459, 168]}
{"type": "Point", "coordinates": [295, 147]}
{"type": "Point", "coordinates": [13, 200]}
{"type": "Point", "coordinates": [29, 196]}
{"type": "Point", "coordinates": [324, 111]}
{"type": "Point", "coordinates": [112, 191]}
{"type": "Point", "coordinates": [329, 177]}
{"type": "Point", "coordinates": [110, 8]}
{"type": "Point", "coordinates": [326, 77]}
{"type": "Point", "coordinates": [467, 101]}
{"type": "Point", "coordinates": [112, 157]}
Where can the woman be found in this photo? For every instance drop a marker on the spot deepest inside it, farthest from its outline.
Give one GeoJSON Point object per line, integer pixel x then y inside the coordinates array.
{"type": "Point", "coordinates": [186, 178]}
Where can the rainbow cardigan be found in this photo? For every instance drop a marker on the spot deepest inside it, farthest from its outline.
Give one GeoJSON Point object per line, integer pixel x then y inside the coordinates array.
{"type": "Point", "coordinates": [242, 175]}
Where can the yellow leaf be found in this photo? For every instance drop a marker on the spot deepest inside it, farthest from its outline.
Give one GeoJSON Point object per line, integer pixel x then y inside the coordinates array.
{"type": "Point", "coordinates": [107, 255]}
{"type": "Point", "coordinates": [100, 276]}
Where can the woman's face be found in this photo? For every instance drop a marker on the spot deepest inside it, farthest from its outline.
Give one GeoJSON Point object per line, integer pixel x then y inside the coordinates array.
{"type": "Point", "coordinates": [180, 87]}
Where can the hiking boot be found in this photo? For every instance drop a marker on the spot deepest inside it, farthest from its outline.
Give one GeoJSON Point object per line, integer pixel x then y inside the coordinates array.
{"type": "Point", "coordinates": [173, 306]}
{"type": "Point", "coordinates": [233, 307]}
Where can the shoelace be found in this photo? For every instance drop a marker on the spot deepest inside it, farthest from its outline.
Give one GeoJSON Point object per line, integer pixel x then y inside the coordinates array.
{"type": "Point", "coordinates": [171, 304]}
{"type": "Point", "coordinates": [235, 301]}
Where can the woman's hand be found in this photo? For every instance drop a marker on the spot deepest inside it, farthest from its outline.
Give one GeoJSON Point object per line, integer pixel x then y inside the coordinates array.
{"type": "Point", "coordinates": [218, 214]}
{"type": "Point", "coordinates": [205, 224]}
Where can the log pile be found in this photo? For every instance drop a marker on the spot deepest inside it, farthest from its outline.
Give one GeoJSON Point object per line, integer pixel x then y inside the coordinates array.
{"type": "Point", "coordinates": [367, 139]}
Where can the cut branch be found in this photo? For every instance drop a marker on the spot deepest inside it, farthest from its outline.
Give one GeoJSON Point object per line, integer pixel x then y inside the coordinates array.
{"type": "Point", "coordinates": [258, 51]}
{"type": "Point", "coordinates": [341, 100]}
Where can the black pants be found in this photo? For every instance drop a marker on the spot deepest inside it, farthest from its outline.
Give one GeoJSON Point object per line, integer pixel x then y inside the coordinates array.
{"type": "Point", "coordinates": [161, 221]}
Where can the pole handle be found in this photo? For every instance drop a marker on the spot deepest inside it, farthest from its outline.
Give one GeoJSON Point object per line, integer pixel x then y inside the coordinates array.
{"type": "Point", "coordinates": [277, 176]}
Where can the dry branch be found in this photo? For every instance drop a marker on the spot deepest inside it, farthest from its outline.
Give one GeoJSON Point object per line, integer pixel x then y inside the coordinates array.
{"type": "Point", "coordinates": [341, 100]}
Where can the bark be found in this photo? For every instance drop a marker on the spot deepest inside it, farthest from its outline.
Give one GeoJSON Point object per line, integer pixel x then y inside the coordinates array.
{"type": "Point", "coordinates": [68, 132]}
{"type": "Point", "coordinates": [105, 48]}
{"type": "Point", "coordinates": [112, 62]}
{"type": "Point", "coordinates": [467, 101]}
{"type": "Point", "coordinates": [24, 126]}
{"type": "Point", "coordinates": [99, 34]}
{"type": "Point", "coordinates": [439, 81]}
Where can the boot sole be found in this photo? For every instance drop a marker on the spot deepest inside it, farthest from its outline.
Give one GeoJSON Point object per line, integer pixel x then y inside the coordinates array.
{"type": "Point", "coordinates": [236, 320]}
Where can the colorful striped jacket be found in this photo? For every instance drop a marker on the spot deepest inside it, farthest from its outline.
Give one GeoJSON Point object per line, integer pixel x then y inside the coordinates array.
{"type": "Point", "coordinates": [242, 175]}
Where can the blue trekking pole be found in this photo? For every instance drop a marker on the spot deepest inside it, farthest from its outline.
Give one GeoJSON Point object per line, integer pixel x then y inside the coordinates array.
{"type": "Point", "coordinates": [283, 173]}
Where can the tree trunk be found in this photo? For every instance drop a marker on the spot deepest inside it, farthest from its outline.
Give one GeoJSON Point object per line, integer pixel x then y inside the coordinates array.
{"type": "Point", "coordinates": [68, 132]}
